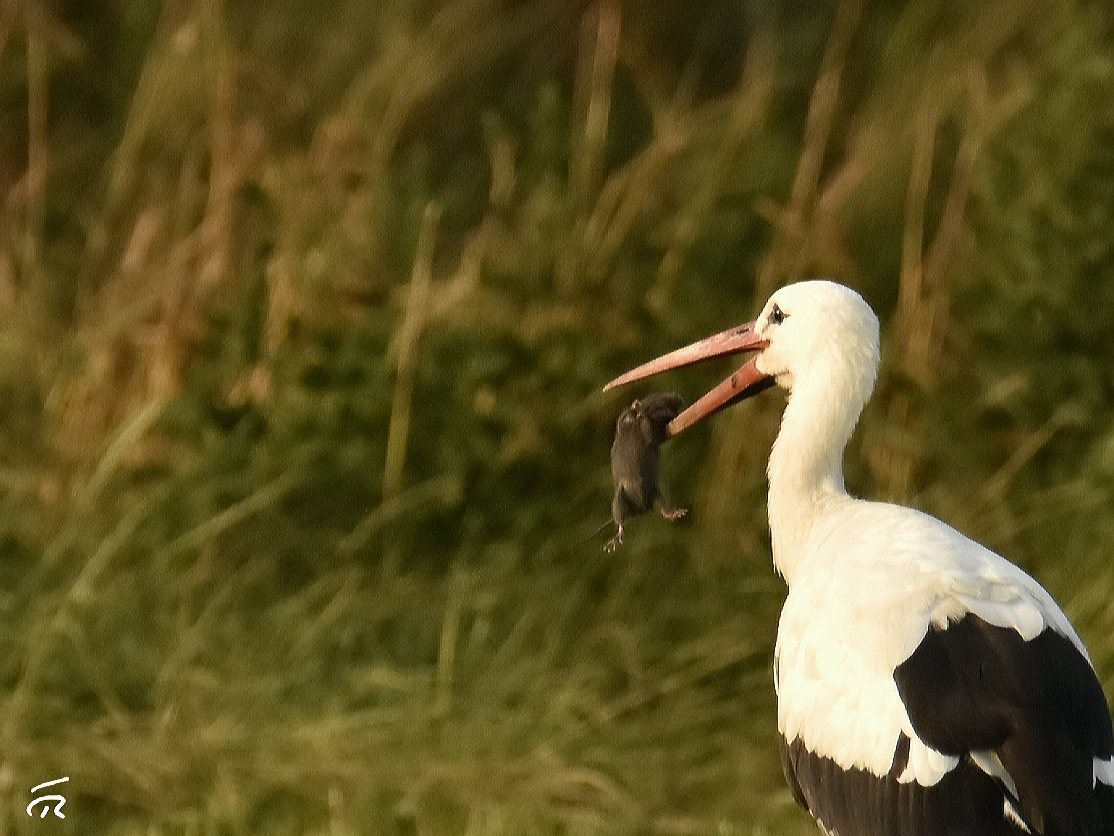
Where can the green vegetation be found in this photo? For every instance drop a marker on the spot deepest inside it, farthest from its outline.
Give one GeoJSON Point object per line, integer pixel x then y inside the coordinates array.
{"type": "Point", "coordinates": [304, 313]}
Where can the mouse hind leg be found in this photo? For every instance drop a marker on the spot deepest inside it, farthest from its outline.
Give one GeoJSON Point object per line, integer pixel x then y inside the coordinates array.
{"type": "Point", "coordinates": [669, 513]}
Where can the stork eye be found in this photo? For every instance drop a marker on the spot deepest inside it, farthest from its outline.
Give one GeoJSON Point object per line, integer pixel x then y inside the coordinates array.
{"type": "Point", "coordinates": [777, 315]}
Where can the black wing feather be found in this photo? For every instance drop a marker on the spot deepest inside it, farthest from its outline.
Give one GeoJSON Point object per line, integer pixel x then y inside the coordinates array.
{"type": "Point", "coordinates": [856, 802]}
{"type": "Point", "coordinates": [1037, 704]}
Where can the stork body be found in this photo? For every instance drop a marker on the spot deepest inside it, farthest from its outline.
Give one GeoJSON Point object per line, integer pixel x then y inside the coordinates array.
{"type": "Point", "coordinates": [925, 684]}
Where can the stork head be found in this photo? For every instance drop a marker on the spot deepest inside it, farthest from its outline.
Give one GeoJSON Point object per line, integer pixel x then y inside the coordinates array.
{"type": "Point", "coordinates": [814, 330]}
{"type": "Point", "coordinates": [817, 326]}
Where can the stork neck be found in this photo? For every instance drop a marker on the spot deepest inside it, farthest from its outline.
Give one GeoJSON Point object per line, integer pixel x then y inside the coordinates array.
{"type": "Point", "coordinates": [806, 465]}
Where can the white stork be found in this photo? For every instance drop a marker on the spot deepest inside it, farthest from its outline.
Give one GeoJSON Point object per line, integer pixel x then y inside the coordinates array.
{"type": "Point", "coordinates": [925, 684]}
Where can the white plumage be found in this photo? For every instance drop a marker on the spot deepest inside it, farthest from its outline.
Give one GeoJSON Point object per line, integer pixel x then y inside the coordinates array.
{"type": "Point", "coordinates": [925, 684]}
{"type": "Point", "coordinates": [835, 662]}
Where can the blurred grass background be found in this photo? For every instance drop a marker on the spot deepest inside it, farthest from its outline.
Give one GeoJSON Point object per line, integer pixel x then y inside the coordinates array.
{"type": "Point", "coordinates": [304, 312]}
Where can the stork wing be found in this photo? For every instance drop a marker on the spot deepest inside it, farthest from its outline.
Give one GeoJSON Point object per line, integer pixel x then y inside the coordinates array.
{"type": "Point", "coordinates": [1032, 714]}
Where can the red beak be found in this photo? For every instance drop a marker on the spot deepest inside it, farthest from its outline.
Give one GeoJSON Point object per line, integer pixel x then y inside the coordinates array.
{"type": "Point", "coordinates": [744, 383]}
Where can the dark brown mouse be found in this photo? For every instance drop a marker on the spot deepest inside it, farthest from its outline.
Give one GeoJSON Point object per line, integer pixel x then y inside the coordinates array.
{"type": "Point", "coordinates": [640, 431]}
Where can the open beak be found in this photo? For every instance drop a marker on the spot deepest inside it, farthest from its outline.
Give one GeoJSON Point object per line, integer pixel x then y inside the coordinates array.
{"type": "Point", "coordinates": [744, 383]}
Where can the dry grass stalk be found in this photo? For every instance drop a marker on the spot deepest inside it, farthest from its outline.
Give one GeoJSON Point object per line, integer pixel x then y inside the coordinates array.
{"type": "Point", "coordinates": [921, 319]}
{"type": "Point", "coordinates": [406, 347]}
{"type": "Point", "coordinates": [789, 252]}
